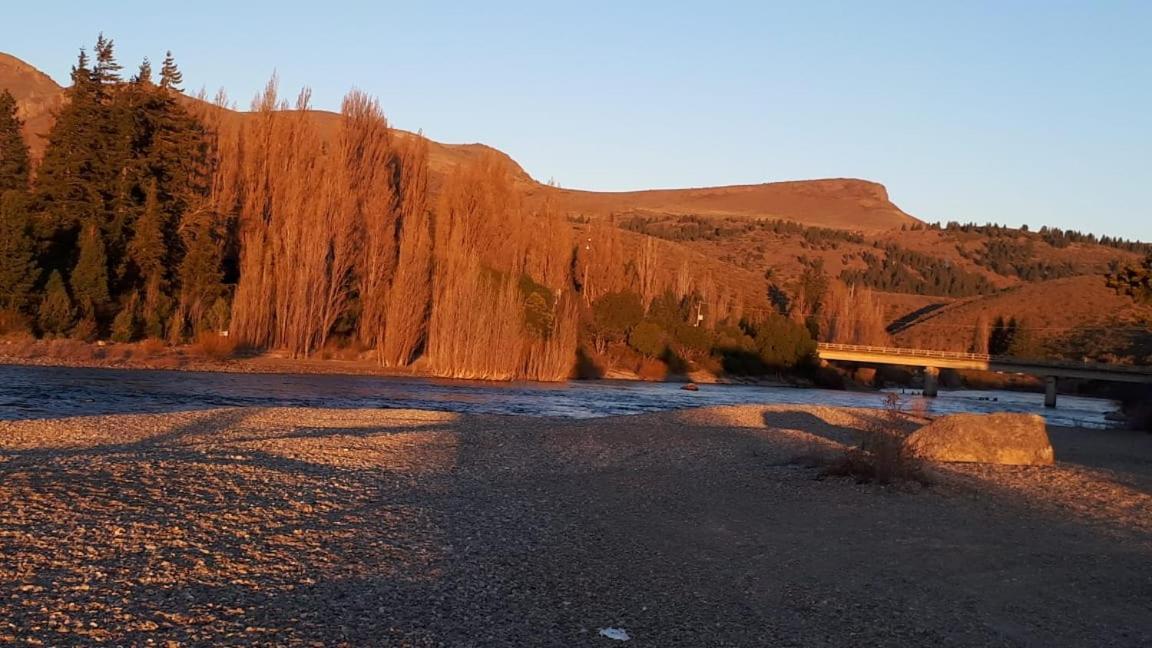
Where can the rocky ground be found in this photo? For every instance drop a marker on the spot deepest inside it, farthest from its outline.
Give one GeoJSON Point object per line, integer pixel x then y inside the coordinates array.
{"type": "Point", "coordinates": [363, 528]}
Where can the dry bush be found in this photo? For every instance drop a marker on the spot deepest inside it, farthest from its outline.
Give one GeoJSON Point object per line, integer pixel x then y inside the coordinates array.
{"type": "Point", "coordinates": [14, 323]}
{"type": "Point", "coordinates": [69, 349]}
{"type": "Point", "coordinates": [652, 369]}
{"type": "Point", "coordinates": [214, 346]}
{"type": "Point", "coordinates": [152, 347]}
{"type": "Point", "coordinates": [881, 456]}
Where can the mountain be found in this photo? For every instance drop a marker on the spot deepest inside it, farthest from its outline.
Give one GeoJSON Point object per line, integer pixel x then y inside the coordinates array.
{"type": "Point", "coordinates": [839, 203]}
{"type": "Point", "coordinates": [37, 97]}
{"type": "Point", "coordinates": [931, 283]}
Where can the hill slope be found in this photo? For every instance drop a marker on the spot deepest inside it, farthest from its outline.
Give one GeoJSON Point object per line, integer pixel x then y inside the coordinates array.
{"type": "Point", "coordinates": [838, 203]}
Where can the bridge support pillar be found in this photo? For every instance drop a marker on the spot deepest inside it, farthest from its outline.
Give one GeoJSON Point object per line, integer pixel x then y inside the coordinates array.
{"type": "Point", "coordinates": [931, 382]}
{"type": "Point", "coordinates": [1050, 391]}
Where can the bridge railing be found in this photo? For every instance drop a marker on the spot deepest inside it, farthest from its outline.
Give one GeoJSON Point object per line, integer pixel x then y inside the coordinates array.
{"type": "Point", "coordinates": [982, 357]}
{"type": "Point", "coordinates": [901, 351]}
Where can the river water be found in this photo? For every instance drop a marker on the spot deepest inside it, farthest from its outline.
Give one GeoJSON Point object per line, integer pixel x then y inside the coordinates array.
{"type": "Point", "coordinates": [48, 392]}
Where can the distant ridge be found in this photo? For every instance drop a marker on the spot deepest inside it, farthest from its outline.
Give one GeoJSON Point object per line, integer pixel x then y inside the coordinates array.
{"type": "Point", "coordinates": [841, 203]}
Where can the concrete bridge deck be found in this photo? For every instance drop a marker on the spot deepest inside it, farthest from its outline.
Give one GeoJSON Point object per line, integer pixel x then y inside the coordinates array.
{"type": "Point", "coordinates": [934, 361]}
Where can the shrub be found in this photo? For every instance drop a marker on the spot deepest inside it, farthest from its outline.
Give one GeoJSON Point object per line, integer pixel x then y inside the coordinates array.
{"type": "Point", "coordinates": [652, 369]}
{"type": "Point", "coordinates": [214, 346]}
{"type": "Point", "coordinates": [695, 341]}
{"type": "Point", "coordinates": [881, 455]}
{"type": "Point", "coordinates": [784, 344]}
{"type": "Point", "coordinates": [648, 339]}
{"type": "Point", "coordinates": [13, 322]}
{"type": "Point", "coordinates": [152, 347]}
{"type": "Point", "coordinates": [615, 315]}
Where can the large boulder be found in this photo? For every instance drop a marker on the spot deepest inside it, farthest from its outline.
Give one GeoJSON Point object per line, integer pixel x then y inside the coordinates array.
{"type": "Point", "coordinates": [1011, 439]}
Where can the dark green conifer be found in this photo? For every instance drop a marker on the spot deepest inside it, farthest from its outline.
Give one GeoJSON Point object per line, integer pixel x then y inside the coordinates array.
{"type": "Point", "coordinates": [106, 71]}
{"type": "Point", "coordinates": [125, 328]}
{"type": "Point", "coordinates": [149, 254]}
{"type": "Point", "coordinates": [201, 279]}
{"type": "Point", "coordinates": [170, 75]}
{"type": "Point", "coordinates": [14, 163]}
{"type": "Point", "coordinates": [17, 252]}
{"type": "Point", "coordinates": [56, 311]}
{"type": "Point", "coordinates": [90, 276]}
{"type": "Point", "coordinates": [144, 75]}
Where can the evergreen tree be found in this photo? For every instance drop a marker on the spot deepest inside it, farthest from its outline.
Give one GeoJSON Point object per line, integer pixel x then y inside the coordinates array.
{"type": "Point", "coordinates": [17, 252]}
{"type": "Point", "coordinates": [71, 181]}
{"type": "Point", "coordinates": [126, 325]}
{"type": "Point", "coordinates": [14, 164]}
{"type": "Point", "coordinates": [148, 253]}
{"type": "Point", "coordinates": [201, 278]}
{"type": "Point", "coordinates": [1133, 280]}
{"type": "Point", "coordinates": [106, 71]}
{"type": "Point", "coordinates": [144, 75]}
{"type": "Point", "coordinates": [90, 276]}
{"type": "Point", "coordinates": [56, 312]}
{"type": "Point", "coordinates": [170, 75]}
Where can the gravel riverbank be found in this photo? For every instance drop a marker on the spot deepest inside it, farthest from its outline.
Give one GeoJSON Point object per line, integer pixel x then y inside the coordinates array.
{"type": "Point", "coordinates": [692, 528]}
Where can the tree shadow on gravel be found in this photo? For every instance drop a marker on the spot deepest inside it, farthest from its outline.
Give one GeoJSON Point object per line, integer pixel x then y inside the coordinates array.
{"type": "Point", "coordinates": [186, 536]}
{"type": "Point", "coordinates": [493, 531]}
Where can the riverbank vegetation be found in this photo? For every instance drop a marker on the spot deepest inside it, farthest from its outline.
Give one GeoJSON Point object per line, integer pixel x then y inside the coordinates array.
{"type": "Point", "coordinates": [157, 216]}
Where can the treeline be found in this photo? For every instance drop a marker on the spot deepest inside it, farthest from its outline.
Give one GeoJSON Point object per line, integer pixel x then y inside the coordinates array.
{"type": "Point", "coordinates": [114, 233]}
{"type": "Point", "coordinates": [1012, 257]}
{"type": "Point", "coordinates": [1054, 236]}
{"type": "Point", "coordinates": [831, 310]}
{"type": "Point", "coordinates": [675, 330]}
{"type": "Point", "coordinates": [907, 271]}
{"type": "Point", "coordinates": [699, 228]}
{"type": "Point", "coordinates": [153, 215]}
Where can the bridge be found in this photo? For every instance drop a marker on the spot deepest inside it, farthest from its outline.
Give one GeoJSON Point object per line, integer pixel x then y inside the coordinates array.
{"type": "Point", "coordinates": [933, 361]}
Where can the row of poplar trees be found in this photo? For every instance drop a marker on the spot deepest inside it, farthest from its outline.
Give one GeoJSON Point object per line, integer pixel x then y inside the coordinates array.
{"type": "Point", "coordinates": [110, 236]}
{"type": "Point", "coordinates": [154, 215]}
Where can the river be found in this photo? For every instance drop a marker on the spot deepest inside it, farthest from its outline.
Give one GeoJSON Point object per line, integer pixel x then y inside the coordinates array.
{"type": "Point", "coordinates": [49, 392]}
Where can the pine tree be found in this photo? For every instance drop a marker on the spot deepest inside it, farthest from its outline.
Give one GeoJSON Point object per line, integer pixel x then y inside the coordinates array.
{"type": "Point", "coordinates": [56, 312]}
{"type": "Point", "coordinates": [144, 75]}
{"type": "Point", "coordinates": [90, 276]}
{"type": "Point", "coordinates": [17, 252]}
{"type": "Point", "coordinates": [71, 178]}
{"type": "Point", "coordinates": [106, 71]}
{"type": "Point", "coordinates": [201, 280]}
{"type": "Point", "coordinates": [170, 75]}
{"type": "Point", "coordinates": [14, 164]}
{"type": "Point", "coordinates": [126, 326]}
{"type": "Point", "coordinates": [148, 253]}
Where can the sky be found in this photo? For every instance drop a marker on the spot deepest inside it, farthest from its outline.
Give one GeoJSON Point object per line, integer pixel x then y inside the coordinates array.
{"type": "Point", "coordinates": [1005, 111]}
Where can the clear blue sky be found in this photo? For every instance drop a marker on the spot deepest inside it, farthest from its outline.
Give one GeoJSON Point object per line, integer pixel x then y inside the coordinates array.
{"type": "Point", "coordinates": [1018, 112]}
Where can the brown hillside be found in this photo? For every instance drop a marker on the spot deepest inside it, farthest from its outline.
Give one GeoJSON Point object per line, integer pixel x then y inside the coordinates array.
{"type": "Point", "coordinates": [37, 98]}
{"type": "Point", "coordinates": [1052, 309]}
{"type": "Point", "coordinates": [838, 203]}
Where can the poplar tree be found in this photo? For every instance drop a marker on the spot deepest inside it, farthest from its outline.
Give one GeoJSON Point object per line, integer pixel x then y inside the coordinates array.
{"type": "Point", "coordinates": [14, 162]}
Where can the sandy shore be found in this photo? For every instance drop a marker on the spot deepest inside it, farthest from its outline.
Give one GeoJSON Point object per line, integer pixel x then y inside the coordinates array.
{"type": "Point", "coordinates": [695, 528]}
